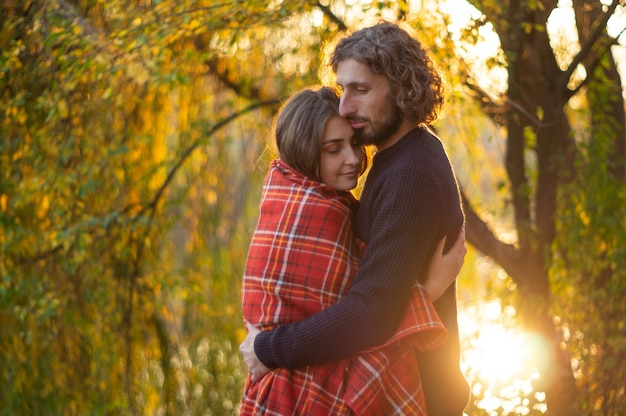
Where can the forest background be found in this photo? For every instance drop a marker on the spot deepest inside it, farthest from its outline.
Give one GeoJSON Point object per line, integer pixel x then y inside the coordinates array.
{"type": "Point", "coordinates": [133, 146]}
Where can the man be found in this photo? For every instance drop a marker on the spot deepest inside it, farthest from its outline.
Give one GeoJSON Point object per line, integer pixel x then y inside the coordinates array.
{"type": "Point", "coordinates": [390, 93]}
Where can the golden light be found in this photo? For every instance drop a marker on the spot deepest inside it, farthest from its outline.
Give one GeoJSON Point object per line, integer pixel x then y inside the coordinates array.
{"type": "Point", "coordinates": [500, 352]}
{"type": "Point", "coordinates": [498, 360]}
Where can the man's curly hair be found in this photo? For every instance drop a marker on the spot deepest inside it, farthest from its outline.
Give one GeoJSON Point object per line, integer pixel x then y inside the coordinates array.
{"type": "Point", "coordinates": [388, 49]}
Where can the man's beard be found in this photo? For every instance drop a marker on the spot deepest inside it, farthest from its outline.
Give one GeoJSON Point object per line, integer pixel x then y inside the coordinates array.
{"type": "Point", "coordinates": [378, 132]}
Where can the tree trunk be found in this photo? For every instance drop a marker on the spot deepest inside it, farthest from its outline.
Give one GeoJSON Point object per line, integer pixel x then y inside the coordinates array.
{"type": "Point", "coordinates": [529, 272]}
{"type": "Point", "coordinates": [536, 123]}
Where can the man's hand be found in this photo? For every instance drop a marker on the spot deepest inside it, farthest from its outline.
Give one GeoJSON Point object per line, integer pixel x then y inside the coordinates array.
{"type": "Point", "coordinates": [255, 367]}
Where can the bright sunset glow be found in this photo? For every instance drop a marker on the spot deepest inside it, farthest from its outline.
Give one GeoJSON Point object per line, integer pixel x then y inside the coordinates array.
{"type": "Point", "coordinates": [500, 352]}
{"type": "Point", "coordinates": [498, 360]}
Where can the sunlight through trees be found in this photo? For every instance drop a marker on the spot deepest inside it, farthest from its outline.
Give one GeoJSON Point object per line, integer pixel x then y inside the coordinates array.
{"type": "Point", "coordinates": [132, 155]}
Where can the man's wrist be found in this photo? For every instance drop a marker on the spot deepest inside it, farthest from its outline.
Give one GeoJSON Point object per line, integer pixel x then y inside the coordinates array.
{"type": "Point", "coordinates": [263, 349]}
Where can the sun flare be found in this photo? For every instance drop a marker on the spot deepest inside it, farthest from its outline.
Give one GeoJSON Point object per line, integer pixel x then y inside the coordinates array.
{"type": "Point", "coordinates": [501, 353]}
{"type": "Point", "coordinates": [499, 360]}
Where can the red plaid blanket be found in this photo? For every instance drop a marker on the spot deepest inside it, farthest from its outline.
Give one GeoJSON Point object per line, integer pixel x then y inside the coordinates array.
{"type": "Point", "coordinates": [302, 258]}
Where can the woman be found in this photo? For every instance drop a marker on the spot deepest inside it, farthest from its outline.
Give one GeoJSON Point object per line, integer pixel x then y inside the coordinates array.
{"type": "Point", "coordinates": [301, 260]}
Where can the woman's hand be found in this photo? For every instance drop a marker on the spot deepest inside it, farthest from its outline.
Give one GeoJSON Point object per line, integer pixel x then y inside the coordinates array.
{"type": "Point", "coordinates": [444, 268]}
{"type": "Point", "coordinates": [255, 367]}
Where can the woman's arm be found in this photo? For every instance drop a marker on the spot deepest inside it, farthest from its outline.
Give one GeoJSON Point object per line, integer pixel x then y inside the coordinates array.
{"type": "Point", "coordinates": [444, 268]}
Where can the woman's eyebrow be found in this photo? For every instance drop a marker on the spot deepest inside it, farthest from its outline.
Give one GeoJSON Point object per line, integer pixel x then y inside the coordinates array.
{"type": "Point", "coordinates": [333, 140]}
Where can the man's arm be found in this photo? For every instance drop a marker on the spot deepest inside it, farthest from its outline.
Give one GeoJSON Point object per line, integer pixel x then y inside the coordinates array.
{"type": "Point", "coordinates": [402, 231]}
{"type": "Point", "coordinates": [442, 271]}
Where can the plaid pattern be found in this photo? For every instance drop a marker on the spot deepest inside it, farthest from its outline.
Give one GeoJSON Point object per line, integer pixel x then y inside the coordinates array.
{"type": "Point", "coordinates": [302, 258]}
{"type": "Point", "coordinates": [385, 380]}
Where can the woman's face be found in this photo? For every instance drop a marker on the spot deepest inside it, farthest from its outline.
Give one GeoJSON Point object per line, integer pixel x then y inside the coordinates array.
{"type": "Point", "coordinates": [341, 160]}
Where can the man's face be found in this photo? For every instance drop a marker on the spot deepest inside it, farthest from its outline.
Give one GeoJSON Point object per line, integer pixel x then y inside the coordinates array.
{"type": "Point", "coordinates": [367, 103]}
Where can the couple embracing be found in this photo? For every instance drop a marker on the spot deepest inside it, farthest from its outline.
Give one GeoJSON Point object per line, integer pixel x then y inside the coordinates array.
{"type": "Point", "coordinates": [351, 305]}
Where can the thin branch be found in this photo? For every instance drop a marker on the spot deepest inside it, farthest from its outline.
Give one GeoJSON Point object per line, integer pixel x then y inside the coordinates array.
{"type": "Point", "coordinates": [20, 260]}
{"type": "Point", "coordinates": [222, 123]}
{"type": "Point", "coordinates": [590, 68]}
{"type": "Point", "coordinates": [250, 92]}
{"type": "Point", "coordinates": [478, 234]}
{"type": "Point", "coordinates": [341, 26]}
{"type": "Point", "coordinates": [492, 109]}
{"type": "Point", "coordinates": [590, 42]}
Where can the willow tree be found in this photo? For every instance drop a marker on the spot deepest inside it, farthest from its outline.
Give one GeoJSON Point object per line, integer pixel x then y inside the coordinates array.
{"type": "Point", "coordinates": [121, 204]}
{"type": "Point", "coordinates": [130, 137]}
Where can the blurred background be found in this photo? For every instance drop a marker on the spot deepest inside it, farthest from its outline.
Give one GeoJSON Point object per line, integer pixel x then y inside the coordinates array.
{"type": "Point", "coordinates": [132, 151]}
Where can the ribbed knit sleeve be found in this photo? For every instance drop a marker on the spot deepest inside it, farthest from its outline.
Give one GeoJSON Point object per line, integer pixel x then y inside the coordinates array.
{"type": "Point", "coordinates": [409, 202]}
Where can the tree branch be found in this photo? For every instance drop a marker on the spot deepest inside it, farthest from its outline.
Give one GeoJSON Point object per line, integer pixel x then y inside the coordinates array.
{"type": "Point", "coordinates": [248, 91]}
{"type": "Point", "coordinates": [478, 234]}
{"type": "Point", "coordinates": [586, 48]}
{"type": "Point", "coordinates": [220, 124]}
{"type": "Point", "coordinates": [341, 26]}
{"type": "Point", "coordinates": [490, 108]}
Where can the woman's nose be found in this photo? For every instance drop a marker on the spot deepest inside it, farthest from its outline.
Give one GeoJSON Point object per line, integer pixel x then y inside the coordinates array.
{"type": "Point", "coordinates": [354, 157]}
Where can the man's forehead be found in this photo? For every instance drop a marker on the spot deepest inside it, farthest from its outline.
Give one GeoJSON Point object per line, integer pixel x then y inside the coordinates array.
{"type": "Point", "coordinates": [350, 72]}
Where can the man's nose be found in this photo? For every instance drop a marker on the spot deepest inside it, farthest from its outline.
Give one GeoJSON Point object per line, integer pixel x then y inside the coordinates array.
{"type": "Point", "coordinates": [346, 108]}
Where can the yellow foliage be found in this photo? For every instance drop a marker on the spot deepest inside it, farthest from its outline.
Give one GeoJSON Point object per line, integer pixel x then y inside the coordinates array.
{"type": "Point", "coordinates": [62, 107]}
{"type": "Point", "coordinates": [44, 206]}
{"type": "Point", "coordinates": [138, 72]}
